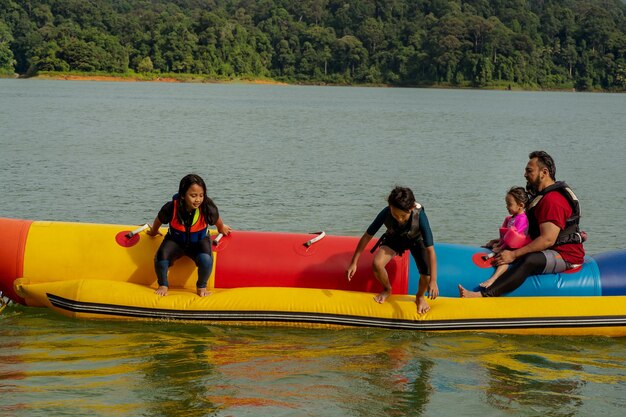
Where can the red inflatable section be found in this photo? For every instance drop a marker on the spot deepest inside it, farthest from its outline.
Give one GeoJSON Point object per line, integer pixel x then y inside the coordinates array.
{"type": "Point", "coordinates": [12, 244]}
{"type": "Point", "coordinates": [260, 259]}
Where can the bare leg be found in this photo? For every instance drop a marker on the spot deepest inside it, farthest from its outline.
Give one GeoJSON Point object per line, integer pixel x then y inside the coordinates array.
{"type": "Point", "coordinates": [162, 290]}
{"type": "Point", "coordinates": [420, 299]}
{"type": "Point", "coordinates": [381, 259]}
{"type": "Point", "coordinates": [463, 293]}
{"type": "Point", "coordinates": [501, 269]}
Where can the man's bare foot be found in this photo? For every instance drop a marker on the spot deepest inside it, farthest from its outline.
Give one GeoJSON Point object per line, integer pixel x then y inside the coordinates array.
{"type": "Point", "coordinates": [162, 290]}
{"type": "Point", "coordinates": [202, 292]}
{"type": "Point", "coordinates": [487, 284]}
{"type": "Point", "coordinates": [463, 293]}
{"type": "Point", "coordinates": [380, 298]}
{"type": "Point", "coordinates": [422, 305]}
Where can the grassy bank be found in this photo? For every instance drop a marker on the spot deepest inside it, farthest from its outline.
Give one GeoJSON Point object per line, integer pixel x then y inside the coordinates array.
{"type": "Point", "coordinates": [148, 77]}
{"type": "Point", "coordinates": [199, 78]}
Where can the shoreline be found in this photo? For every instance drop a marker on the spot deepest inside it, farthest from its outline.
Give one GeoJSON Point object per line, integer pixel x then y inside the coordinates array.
{"type": "Point", "coordinates": [168, 78]}
{"type": "Point", "coordinates": [188, 78]}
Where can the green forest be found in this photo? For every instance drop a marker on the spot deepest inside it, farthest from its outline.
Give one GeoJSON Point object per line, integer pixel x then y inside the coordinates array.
{"type": "Point", "coordinates": [533, 44]}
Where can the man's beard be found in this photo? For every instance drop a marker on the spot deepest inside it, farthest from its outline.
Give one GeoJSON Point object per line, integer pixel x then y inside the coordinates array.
{"type": "Point", "coordinates": [531, 189]}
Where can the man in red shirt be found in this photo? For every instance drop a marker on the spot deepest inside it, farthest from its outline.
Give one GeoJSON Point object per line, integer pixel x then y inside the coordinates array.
{"type": "Point", "coordinates": [553, 224]}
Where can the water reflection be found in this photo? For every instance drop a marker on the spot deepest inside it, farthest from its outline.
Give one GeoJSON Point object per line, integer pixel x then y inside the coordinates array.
{"type": "Point", "coordinates": [177, 374]}
{"type": "Point", "coordinates": [346, 372]}
{"type": "Point", "coordinates": [414, 393]}
{"type": "Point", "coordinates": [53, 366]}
{"type": "Point", "coordinates": [511, 390]}
{"type": "Point", "coordinates": [535, 375]}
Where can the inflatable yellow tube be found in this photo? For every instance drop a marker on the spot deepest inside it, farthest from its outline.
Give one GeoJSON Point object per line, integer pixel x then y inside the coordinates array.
{"type": "Point", "coordinates": [93, 299]}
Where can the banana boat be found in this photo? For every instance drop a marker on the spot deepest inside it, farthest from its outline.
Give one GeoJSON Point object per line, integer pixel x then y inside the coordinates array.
{"type": "Point", "coordinates": [106, 271]}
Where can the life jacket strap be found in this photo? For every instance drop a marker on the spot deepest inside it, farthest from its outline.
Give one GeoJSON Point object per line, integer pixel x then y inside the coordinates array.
{"type": "Point", "coordinates": [380, 242]}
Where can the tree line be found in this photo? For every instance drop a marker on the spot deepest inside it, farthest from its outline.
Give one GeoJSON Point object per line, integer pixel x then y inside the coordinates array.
{"type": "Point", "coordinates": [479, 43]}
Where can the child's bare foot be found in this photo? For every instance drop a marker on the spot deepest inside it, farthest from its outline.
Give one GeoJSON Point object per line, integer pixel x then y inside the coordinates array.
{"type": "Point", "coordinates": [380, 298]}
{"type": "Point", "coordinates": [162, 290]}
{"type": "Point", "coordinates": [422, 305]}
{"type": "Point", "coordinates": [487, 283]}
{"type": "Point", "coordinates": [463, 293]}
{"type": "Point", "coordinates": [202, 292]}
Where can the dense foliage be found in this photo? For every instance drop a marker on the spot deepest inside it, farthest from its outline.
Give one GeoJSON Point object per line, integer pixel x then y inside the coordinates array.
{"type": "Point", "coordinates": [529, 43]}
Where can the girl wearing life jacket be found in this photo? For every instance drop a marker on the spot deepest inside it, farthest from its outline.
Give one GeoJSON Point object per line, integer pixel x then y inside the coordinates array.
{"type": "Point", "coordinates": [514, 229]}
{"type": "Point", "coordinates": [407, 228]}
{"type": "Point", "coordinates": [189, 214]}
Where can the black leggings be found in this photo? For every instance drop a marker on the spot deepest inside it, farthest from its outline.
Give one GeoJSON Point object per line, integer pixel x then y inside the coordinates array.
{"type": "Point", "coordinates": [532, 264]}
{"type": "Point", "coordinates": [170, 251]}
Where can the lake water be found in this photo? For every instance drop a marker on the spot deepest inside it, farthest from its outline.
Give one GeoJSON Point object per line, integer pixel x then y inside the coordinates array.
{"type": "Point", "coordinates": [301, 159]}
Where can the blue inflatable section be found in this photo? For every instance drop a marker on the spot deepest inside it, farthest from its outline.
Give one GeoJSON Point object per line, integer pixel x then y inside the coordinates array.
{"type": "Point", "coordinates": [456, 265]}
{"type": "Point", "coordinates": [612, 267]}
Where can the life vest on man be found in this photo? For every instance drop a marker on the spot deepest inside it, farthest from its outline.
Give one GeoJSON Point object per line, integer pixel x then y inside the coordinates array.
{"type": "Point", "coordinates": [571, 233]}
{"type": "Point", "coordinates": [195, 233]}
{"type": "Point", "coordinates": [410, 230]}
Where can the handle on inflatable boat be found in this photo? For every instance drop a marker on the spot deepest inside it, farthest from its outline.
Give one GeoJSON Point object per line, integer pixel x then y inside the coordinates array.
{"type": "Point", "coordinates": [320, 236]}
{"type": "Point", "coordinates": [218, 238]}
{"type": "Point", "coordinates": [137, 231]}
{"type": "Point", "coordinates": [488, 256]}
{"type": "Point", "coordinates": [4, 301]}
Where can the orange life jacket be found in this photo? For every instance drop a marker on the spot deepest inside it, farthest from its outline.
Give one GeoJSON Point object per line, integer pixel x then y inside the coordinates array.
{"type": "Point", "coordinates": [195, 233]}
